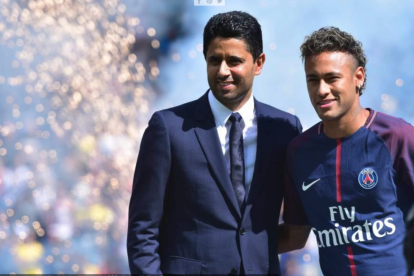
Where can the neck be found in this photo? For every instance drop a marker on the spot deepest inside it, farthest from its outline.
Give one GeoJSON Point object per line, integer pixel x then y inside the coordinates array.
{"type": "Point", "coordinates": [347, 125]}
{"type": "Point", "coordinates": [237, 105]}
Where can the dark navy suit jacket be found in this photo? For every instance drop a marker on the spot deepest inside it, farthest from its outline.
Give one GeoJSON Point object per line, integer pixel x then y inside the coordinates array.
{"type": "Point", "coordinates": [183, 215]}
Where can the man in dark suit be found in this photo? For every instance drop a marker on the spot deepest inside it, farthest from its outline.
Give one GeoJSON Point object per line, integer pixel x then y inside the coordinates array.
{"type": "Point", "coordinates": [208, 184]}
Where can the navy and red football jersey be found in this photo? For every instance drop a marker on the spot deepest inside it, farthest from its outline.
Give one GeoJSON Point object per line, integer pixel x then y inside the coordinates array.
{"type": "Point", "coordinates": [355, 192]}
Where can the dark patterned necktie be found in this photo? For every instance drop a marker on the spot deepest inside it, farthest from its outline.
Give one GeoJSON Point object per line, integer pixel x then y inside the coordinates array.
{"type": "Point", "coordinates": [237, 158]}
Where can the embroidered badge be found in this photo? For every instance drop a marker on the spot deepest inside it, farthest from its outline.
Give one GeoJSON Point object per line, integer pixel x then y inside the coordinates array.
{"type": "Point", "coordinates": [368, 178]}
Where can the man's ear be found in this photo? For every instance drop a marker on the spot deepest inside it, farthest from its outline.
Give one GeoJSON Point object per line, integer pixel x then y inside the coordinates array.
{"type": "Point", "coordinates": [359, 78]}
{"type": "Point", "coordinates": [259, 64]}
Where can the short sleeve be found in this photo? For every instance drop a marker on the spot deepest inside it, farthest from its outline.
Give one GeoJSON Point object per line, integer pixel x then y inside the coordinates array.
{"type": "Point", "coordinates": [404, 167]}
{"type": "Point", "coordinates": [399, 138]}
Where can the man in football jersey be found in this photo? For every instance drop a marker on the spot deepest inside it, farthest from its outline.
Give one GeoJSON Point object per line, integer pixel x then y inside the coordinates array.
{"type": "Point", "coordinates": [353, 171]}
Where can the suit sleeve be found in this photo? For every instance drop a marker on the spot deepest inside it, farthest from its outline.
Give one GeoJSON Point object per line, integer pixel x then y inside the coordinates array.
{"type": "Point", "coordinates": [298, 125]}
{"type": "Point", "coordinates": [147, 199]}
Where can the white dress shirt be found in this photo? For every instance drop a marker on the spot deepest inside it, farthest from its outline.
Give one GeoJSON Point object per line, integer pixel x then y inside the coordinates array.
{"type": "Point", "coordinates": [249, 123]}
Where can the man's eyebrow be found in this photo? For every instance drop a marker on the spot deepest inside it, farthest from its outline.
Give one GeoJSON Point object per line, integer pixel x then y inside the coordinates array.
{"type": "Point", "coordinates": [212, 57]}
{"type": "Point", "coordinates": [311, 76]}
{"type": "Point", "coordinates": [235, 57]}
{"type": "Point", "coordinates": [216, 57]}
{"type": "Point", "coordinates": [329, 74]}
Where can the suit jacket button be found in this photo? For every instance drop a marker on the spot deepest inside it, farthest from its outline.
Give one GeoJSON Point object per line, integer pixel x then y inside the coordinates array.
{"type": "Point", "coordinates": [233, 271]}
{"type": "Point", "coordinates": [242, 231]}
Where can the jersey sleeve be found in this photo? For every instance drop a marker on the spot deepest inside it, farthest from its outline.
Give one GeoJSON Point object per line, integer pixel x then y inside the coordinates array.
{"type": "Point", "coordinates": [293, 212]}
{"type": "Point", "coordinates": [399, 138]}
{"type": "Point", "coordinates": [403, 153]}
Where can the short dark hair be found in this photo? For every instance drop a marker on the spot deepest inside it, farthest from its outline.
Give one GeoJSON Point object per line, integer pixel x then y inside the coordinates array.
{"type": "Point", "coordinates": [235, 24]}
{"type": "Point", "coordinates": [332, 39]}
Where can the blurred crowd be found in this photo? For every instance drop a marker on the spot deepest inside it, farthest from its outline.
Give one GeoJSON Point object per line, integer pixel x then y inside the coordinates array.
{"type": "Point", "coordinates": [75, 97]}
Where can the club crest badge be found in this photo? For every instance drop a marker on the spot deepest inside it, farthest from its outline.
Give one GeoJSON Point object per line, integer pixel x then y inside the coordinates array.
{"type": "Point", "coordinates": [368, 178]}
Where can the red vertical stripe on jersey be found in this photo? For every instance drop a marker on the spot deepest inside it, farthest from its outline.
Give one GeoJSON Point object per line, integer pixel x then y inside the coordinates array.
{"type": "Point", "coordinates": [338, 170]}
{"type": "Point", "coordinates": [351, 261]}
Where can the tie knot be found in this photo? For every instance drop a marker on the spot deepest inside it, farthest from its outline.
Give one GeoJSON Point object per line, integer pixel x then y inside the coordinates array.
{"type": "Point", "coordinates": [235, 117]}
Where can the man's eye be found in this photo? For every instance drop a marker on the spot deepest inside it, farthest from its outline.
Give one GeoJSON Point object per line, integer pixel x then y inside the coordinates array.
{"type": "Point", "coordinates": [234, 61]}
{"type": "Point", "coordinates": [214, 60]}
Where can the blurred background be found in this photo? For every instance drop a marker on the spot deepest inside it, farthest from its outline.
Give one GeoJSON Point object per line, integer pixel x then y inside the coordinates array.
{"type": "Point", "coordinates": [79, 80]}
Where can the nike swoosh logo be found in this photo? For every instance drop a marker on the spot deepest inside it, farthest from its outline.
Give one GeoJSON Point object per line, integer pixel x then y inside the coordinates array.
{"type": "Point", "coordinates": [305, 187]}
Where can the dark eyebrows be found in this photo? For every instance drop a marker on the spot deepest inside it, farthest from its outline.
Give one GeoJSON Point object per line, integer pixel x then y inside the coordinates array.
{"type": "Point", "coordinates": [213, 58]}
{"type": "Point", "coordinates": [311, 76]}
{"type": "Point", "coordinates": [327, 75]}
{"type": "Point", "coordinates": [236, 58]}
{"type": "Point", "coordinates": [333, 74]}
{"type": "Point", "coordinates": [230, 58]}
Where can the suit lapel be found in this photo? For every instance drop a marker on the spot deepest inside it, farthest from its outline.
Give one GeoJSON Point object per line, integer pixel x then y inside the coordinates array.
{"type": "Point", "coordinates": [207, 135]}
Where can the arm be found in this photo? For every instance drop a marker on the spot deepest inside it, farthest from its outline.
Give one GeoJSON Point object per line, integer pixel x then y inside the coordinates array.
{"type": "Point", "coordinates": [404, 168]}
{"type": "Point", "coordinates": [294, 232]}
{"type": "Point", "coordinates": [403, 156]}
{"type": "Point", "coordinates": [291, 237]}
{"type": "Point", "coordinates": [147, 199]}
{"type": "Point", "coordinates": [398, 135]}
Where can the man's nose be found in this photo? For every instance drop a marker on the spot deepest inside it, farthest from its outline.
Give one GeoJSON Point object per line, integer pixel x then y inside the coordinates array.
{"type": "Point", "coordinates": [324, 88]}
{"type": "Point", "coordinates": [224, 69]}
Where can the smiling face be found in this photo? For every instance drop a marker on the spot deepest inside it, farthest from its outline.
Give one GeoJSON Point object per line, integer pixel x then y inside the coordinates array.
{"type": "Point", "coordinates": [332, 79]}
{"type": "Point", "coordinates": [231, 70]}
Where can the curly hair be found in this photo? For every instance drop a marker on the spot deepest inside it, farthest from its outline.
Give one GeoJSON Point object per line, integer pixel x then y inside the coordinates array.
{"type": "Point", "coordinates": [235, 24]}
{"type": "Point", "coordinates": [332, 39]}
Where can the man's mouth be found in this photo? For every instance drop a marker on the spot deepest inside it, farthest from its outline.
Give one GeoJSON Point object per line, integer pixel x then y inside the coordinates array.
{"type": "Point", "coordinates": [226, 84]}
{"type": "Point", "coordinates": [326, 103]}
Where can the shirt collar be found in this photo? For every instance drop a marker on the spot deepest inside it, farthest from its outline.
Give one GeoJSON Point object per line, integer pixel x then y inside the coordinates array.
{"type": "Point", "coordinates": [221, 113]}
